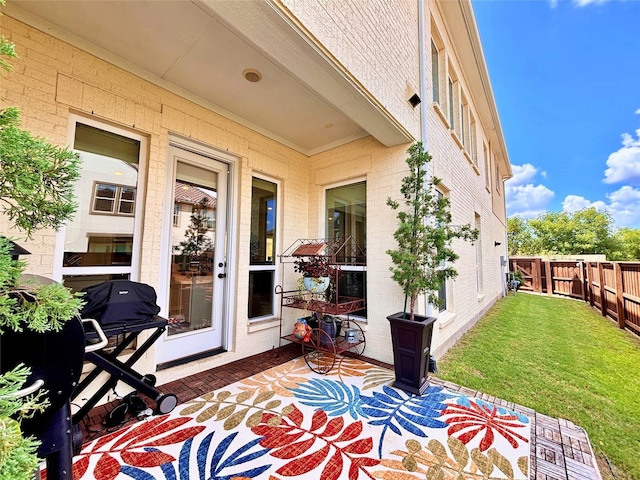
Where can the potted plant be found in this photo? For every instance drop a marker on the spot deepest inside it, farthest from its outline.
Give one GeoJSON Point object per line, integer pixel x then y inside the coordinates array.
{"type": "Point", "coordinates": [316, 272]}
{"type": "Point", "coordinates": [421, 263]}
{"type": "Point", "coordinates": [36, 191]}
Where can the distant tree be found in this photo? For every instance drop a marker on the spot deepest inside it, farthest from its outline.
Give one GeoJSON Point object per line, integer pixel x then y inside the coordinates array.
{"type": "Point", "coordinates": [520, 237]}
{"type": "Point", "coordinates": [587, 231]}
{"type": "Point", "coordinates": [197, 245]}
{"type": "Point", "coordinates": [627, 245]}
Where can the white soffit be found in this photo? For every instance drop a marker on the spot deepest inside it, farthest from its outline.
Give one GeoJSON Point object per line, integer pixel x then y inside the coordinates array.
{"type": "Point", "coordinates": [199, 49]}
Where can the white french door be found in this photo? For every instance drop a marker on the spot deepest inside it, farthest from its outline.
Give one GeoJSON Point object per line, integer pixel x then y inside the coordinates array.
{"type": "Point", "coordinates": [197, 251]}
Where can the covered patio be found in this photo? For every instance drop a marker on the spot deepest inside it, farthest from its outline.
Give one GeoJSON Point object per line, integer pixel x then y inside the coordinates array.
{"type": "Point", "coordinates": [559, 449]}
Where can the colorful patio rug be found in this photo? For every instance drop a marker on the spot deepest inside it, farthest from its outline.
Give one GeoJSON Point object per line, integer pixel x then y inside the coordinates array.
{"type": "Point", "coordinates": [291, 422]}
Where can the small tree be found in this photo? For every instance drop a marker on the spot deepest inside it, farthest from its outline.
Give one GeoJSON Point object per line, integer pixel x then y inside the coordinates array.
{"type": "Point", "coordinates": [422, 261]}
{"type": "Point", "coordinates": [36, 191]}
{"type": "Point", "coordinates": [197, 240]}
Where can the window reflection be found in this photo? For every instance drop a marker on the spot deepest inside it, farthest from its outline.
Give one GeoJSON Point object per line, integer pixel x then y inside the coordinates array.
{"type": "Point", "coordinates": [193, 247]}
{"type": "Point", "coordinates": [262, 248]}
{"type": "Point", "coordinates": [101, 233]}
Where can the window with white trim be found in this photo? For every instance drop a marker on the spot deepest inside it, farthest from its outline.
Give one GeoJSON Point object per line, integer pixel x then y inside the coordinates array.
{"type": "Point", "coordinates": [346, 214]}
{"type": "Point", "coordinates": [93, 249]}
{"type": "Point", "coordinates": [109, 199]}
{"type": "Point", "coordinates": [464, 122]}
{"type": "Point", "coordinates": [487, 170]}
{"type": "Point", "coordinates": [472, 148]}
{"type": "Point", "coordinates": [478, 242]}
{"type": "Point", "coordinates": [262, 248]}
{"type": "Point", "coordinates": [452, 102]}
{"type": "Point", "coordinates": [435, 72]}
{"type": "Point", "coordinates": [442, 292]}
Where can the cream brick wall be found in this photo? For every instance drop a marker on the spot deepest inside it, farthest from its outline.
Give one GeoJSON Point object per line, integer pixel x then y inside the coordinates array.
{"type": "Point", "coordinates": [53, 79]}
{"type": "Point", "coordinates": [375, 41]}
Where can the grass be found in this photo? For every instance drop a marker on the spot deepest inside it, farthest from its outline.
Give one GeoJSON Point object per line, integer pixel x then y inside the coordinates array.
{"type": "Point", "coordinates": [563, 359]}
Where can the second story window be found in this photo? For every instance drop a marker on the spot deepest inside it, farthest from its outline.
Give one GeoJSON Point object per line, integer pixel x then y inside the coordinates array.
{"type": "Point", "coordinates": [113, 199]}
{"type": "Point", "coordinates": [435, 72]}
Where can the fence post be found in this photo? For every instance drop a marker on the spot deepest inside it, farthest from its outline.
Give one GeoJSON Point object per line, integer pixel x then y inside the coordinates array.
{"type": "Point", "coordinates": [619, 294]}
{"type": "Point", "coordinates": [603, 293]}
{"type": "Point", "coordinates": [536, 272]}
{"type": "Point", "coordinates": [581, 269]}
{"type": "Point", "coordinates": [590, 282]}
{"type": "Point", "coordinates": [548, 277]}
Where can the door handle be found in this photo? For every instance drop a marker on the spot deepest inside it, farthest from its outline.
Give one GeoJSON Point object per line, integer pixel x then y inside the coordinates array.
{"type": "Point", "coordinates": [222, 275]}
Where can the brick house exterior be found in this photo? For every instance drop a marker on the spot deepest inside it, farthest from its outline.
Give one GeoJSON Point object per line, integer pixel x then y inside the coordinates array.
{"type": "Point", "coordinates": [356, 63]}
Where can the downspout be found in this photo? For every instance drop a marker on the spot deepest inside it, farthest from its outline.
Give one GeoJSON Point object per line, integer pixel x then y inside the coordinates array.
{"type": "Point", "coordinates": [424, 104]}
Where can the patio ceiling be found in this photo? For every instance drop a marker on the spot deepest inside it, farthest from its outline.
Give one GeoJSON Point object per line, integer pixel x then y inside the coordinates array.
{"type": "Point", "coordinates": [200, 49]}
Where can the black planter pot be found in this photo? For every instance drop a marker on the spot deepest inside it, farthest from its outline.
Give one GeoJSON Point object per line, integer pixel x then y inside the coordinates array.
{"type": "Point", "coordinates": [411, 351]}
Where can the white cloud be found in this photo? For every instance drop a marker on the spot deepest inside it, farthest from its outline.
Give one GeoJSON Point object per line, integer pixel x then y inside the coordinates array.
{"type": "Point", "coordinates": [573, 203]}
{"type": "Point", "coordinates": [624, 164]}
{"type": "Point", "coordinates": [523, 197]}
{"type": "Point", "coordinates": [523, 174]}
{"type": "Point", "coordinates": [624, 206]}
{"type": "Point", "coordinates": [638, 111]}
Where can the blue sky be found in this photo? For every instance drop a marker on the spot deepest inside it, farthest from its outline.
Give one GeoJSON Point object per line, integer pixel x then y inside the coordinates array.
{"type": "Point", "coordinates": [566, 78]}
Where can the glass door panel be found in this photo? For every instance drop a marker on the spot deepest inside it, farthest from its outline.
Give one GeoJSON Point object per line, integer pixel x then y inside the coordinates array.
{"type": "Point", "coordinates": [192, 249]}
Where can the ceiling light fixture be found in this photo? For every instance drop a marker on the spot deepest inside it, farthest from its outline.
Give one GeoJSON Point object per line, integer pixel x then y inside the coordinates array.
{"type": "Point", "coordinates": [252, 75]}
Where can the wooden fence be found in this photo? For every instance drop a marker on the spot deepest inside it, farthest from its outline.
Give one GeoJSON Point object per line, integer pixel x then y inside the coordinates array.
{"type": "Point", "coordinates": [611, 287]}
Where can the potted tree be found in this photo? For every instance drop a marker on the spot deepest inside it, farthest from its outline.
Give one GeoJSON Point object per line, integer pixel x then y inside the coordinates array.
{"type": "Point", "coordinates": [421, 263]}
{"type": "Point", "coordinates": [36, 191]}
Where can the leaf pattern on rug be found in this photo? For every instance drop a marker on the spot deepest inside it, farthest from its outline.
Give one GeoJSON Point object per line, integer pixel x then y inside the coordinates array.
{"type": "Point", "coordinates": [378, 376]}
{"type": "Point", "coordinates": [222, 463]}
{"type": "Point", "coordinates": [396, 410]}
{"type": "Point", "coordinates": [323, 427]}
{"type": "Point", "coordinates": [278, 379]}
{"type": "Point", "coordinates": [233, 408]}
{"type": "Point", "coordinates": [478, 417]}
{"type": "Point", "coordinates": [134, 446]}
{"type": "Point", "coordinates": [466, 401]}
{"type": "Point", "coordinates": [434, 462]}
{"type": "Point", "coordinates": [290, 440]}
{"type": "Point", "coordinates": [348, 366]}
{"type": "Point", "coordinates": [334, 398]}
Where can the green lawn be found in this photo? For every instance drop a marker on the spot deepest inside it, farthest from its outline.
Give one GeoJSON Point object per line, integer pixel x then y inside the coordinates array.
{"type": "Point", "coordinates": [563, 359]}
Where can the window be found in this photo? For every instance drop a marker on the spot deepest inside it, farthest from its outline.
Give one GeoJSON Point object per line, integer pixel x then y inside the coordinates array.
{"type": "Point", "coordinates": [346, 214]}
{"type": "Point", "coordinates": [176, 214]}
{"type": "Point", "coordinates": [262, 247]}
{"type": "Point", "coordinates": [113, 199]}
{"type": "Point", "coordinates": [472, 140]}
{"type": "Point", "coordinates": [487, 170]}
{"type": "Point", "coordinates": [452, 123]}
{"type": "Point", "coordinates": [93, 250]}
{"type": "Point", "coordinates": [442, 292]}
{"type": "Point", "coordinates": [435, 72]}
{"type": "Point", "coordinates": [479, 274]}
{"type": "Point", "coordinates": [464, 119]}
{"type": "Point", "coordinates": [497, 176]}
